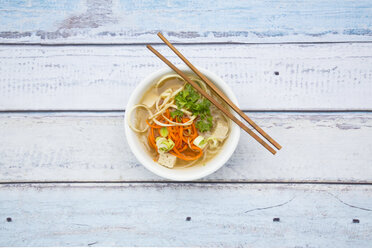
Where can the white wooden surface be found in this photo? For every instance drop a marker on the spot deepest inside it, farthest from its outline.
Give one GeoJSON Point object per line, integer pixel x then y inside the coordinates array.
{"type": "Point", "coordinates": [311, 77]}
{"type": "Point", "coordinates": [222, 215]}
{"type": "Point", "coordinates": [92, 147]}
{"type": "Point", "coordinates": [123, 21]}
{"type": "Point", "coordinates": [79, 61]}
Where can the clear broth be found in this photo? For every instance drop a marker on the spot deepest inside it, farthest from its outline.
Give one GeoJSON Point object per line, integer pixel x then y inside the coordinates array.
{"type": "Point", "coordinates": [141, 115]}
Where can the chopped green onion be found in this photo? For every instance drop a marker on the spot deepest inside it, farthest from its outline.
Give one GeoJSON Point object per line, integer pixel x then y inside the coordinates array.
{"type": "Point", "coordinates": [200, 142]}
{"type": "Point", "coordinates": [213, 142]}
{"type": "Point", "coordinates": [164, 145]}
{"type": "Point", "coordinates": [164, 132]}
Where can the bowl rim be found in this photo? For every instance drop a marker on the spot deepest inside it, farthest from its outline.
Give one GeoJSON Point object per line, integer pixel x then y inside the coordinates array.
{"type": "Point", "coordinates": [172, 174]}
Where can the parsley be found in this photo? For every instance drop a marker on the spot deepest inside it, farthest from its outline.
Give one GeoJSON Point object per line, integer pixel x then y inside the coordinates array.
{"type": "Point", "coordinates": [205, 124]}
{"type": "Point", "coordinates": [191, 100]}
{"type": "Point", "coordinates": [177, 113]}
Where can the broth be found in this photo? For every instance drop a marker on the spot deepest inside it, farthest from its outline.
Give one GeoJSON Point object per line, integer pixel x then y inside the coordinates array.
{"type": "Point", "coordinates": [141, 115]}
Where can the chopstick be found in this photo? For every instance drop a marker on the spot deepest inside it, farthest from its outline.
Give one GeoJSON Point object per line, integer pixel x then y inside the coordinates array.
{"type": "Point", "coordinates": [220, 93]}
{"type": "Point", "coordinates": [212, 100]}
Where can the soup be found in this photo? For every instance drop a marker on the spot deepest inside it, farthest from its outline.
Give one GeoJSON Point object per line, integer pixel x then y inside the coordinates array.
{"type": "Point", "coordinates": [177, 125]}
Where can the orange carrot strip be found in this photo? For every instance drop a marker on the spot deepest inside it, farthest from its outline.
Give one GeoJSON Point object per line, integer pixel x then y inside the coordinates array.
{"type": "Point", "coordinates": [187, 158]}
{"type": "Point", "coordinates": [153, 125]}
{"type": "Point", "coordinates": [152, 138]}
{"type": "Point", "coordinates": [183, 148]}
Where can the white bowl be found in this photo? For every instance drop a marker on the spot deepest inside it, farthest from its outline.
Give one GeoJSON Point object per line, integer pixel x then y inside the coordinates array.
{"type": "Point", "coordinates": [181, 174]}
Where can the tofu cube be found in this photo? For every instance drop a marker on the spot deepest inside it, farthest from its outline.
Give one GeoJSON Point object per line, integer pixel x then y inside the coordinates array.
{"type": "Point", "coordinates": [167, 160]}
{"type": "Point", "coordinates": [220, 130]}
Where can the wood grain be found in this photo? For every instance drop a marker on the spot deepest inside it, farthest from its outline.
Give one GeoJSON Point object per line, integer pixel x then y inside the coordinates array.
{"type": "Point", "coordinates": [121, 21]}
{"type": "Point", "coordinates": [227, 209]}
{"type": "Point", "coordinates": [311, 77]}
{"type": "Point", "coordinates": [219, 106]}
{"type": "Point", "coordinates": [92, 147]}
{"type": "Point", "coordinates": [221, 95]}
{"type": "Point", "coordinates": [221, 215]}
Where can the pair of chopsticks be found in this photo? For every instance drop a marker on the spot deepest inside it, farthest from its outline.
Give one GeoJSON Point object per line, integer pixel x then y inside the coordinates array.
{"type": "Point", "coordinates": [219, 93]}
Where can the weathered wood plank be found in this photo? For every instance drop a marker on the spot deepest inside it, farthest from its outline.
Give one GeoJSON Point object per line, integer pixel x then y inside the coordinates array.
{"type": "Point", "coordinates": [92, 147]}
{"type": "Point", "coordinates": [311, 77]}
{"type": "Point", "coordinates": [221, 215]}
{"type": "Point", "coordinates": [104, 21]}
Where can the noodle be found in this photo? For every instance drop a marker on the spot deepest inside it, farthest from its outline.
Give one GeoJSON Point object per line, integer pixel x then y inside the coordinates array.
{"type": "Point", "coordinates": [179, 127]}
{"type": "Point", "coordinates": [130, 113]}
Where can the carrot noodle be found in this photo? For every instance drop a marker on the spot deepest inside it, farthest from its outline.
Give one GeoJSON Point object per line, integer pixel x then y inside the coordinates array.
{"type": "Point", "coordinates": [182, 135]}
{"type": "Point", "coordinates": [181, 128]}
{"type": "Point", "coordinates": [153, 125]}
{"type": "Point", "coordinates": [152, 139]}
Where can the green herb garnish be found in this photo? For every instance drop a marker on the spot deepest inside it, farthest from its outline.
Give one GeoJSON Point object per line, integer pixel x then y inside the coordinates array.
{"type": "Point", "coordinates": [204, 125]}
{"type": "Point", "coordinates": [191, 100]}
{"type": "Point", "coordinates": [177, 113]}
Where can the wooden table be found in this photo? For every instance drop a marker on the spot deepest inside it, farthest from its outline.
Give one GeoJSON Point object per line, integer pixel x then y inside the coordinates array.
{"type": "Point", "coordinates": [301, 70]}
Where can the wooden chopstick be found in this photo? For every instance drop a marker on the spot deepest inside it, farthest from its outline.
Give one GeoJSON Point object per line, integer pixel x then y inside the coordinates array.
{"type": "Point", "coordinates": [220, 93]}
{"type": "Point", "coordinates": [212, 100]}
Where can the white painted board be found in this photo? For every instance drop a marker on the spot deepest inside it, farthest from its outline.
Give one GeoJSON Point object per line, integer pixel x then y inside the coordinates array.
{"type": "Point", "coordinates": [311, 77]}
{"type": "Point", "coordinates": [92, 147]}
{"type": "Point", "coordinates": [221, 215]}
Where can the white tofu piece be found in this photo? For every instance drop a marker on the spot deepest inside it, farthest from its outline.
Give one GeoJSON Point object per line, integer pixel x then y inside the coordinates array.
{"type": "Point", "coordinates": [220, 131]}
{"type": "Point", "coordinates": [167, 160]}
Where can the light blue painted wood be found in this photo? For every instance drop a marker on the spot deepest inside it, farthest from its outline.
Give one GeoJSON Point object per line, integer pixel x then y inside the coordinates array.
{"type": "Point", "coordinates": [64, 147]}
{"type": "Point", "coordinates": [32, 15]}
{"type": "Point", "coordinates": [69, 147]}
{"type": "Point", "coordinates": [311, 77]}
{"type": "Point", "coordinates": [222, 215]}
{"type": "Point", "coordinates": [99, 21]}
